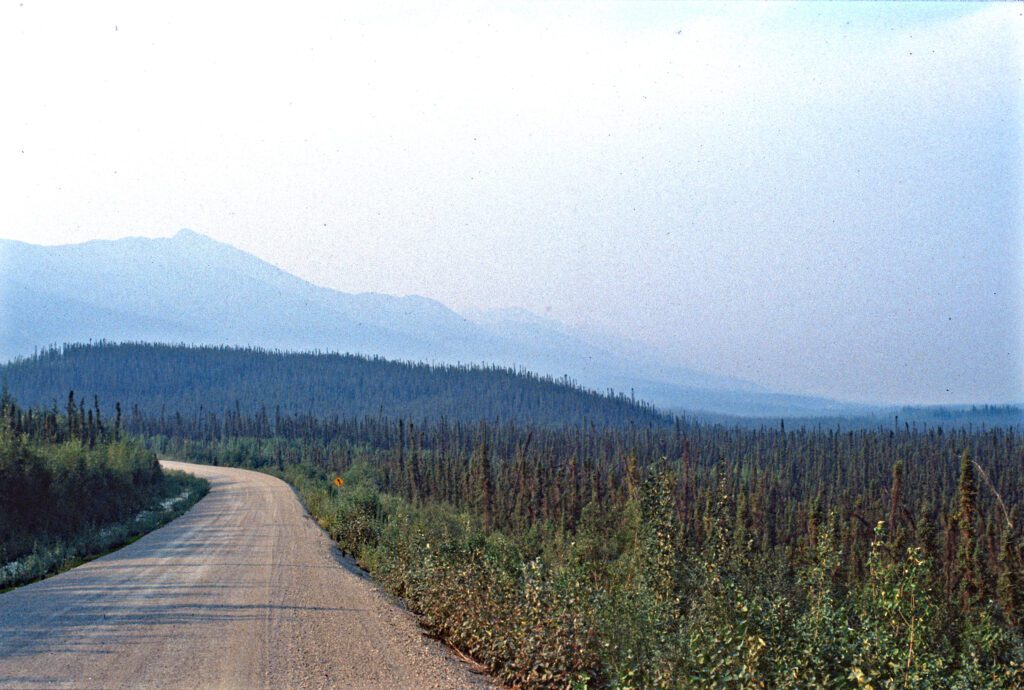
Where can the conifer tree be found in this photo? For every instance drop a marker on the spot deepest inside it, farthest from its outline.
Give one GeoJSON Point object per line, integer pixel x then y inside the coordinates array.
{"type": "Point", "coordinates": [896, 531]}
{"type": "Point", "coordinates": [72, 418]}
{"type": "Point", "coordinates": [966, 523]}
{"type": "Point", "coordinates": [483, 489]}
{"type": "Point", "coordinates": [96, 414]}
{"type": "Point", "coordinates": [1010, 582]}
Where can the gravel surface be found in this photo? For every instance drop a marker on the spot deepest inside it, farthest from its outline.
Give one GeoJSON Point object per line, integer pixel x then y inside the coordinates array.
{"type": "Point", "coordinates": [243, 591]}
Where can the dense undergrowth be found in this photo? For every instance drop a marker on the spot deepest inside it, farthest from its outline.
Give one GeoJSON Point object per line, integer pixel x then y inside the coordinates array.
{"type": "Point", "coordinates": [619, 605]}
{"type": "Point", "coordinates": [677, 574]}
{"type": "Point", "coordinates": [70, 494]}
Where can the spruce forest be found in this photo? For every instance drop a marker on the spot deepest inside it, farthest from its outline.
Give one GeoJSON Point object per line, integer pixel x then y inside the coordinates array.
{"type": "Point", "coordinates": [160, 381]}
{"type": "Point", "coordinates": [642, 551]}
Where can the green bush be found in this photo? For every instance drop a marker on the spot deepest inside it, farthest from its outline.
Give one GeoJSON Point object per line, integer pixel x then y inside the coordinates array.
{"type": "Point", "coordinates": [627, 604]}
{"type": "Point", "coordinates": [51, 492]}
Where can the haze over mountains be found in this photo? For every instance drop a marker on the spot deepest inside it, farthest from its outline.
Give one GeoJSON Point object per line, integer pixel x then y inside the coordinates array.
{"type": "Point", "coordinates": [190, 288]}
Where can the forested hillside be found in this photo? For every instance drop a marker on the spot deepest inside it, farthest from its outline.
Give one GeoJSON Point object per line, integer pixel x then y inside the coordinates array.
{"type": "Point", "coordinates": [215, 385]}
{"type": "Point", "coordinates": [674, 557]}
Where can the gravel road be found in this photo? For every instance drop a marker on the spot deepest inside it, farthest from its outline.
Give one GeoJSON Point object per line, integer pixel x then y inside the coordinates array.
{"type": "Point", "coordinates": [244, 591]}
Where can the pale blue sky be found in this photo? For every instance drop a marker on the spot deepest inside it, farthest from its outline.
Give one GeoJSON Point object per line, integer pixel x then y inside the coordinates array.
{"type": "Point", "coordinates": [820, 197]}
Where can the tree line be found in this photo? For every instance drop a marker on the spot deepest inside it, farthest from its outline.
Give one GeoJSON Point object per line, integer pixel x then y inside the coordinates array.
{"type": "Point", "coordinates": [162, 381]}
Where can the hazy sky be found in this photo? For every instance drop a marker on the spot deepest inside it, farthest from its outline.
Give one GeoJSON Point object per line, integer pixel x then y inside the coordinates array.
{"type": "Point", "coordinates": [820, 197]}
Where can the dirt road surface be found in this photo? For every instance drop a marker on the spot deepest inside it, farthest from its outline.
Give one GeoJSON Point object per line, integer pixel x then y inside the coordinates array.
{"type": "Point", "coordinates": [244, 591]}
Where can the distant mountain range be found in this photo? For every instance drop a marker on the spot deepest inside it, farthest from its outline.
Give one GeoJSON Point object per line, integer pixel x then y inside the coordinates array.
{"type": "Point", "coordinates": [192, 289]}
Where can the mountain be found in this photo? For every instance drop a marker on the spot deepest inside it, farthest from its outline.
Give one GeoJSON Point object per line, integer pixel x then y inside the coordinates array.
{"type": "Point", "coordinates": [192, 289]}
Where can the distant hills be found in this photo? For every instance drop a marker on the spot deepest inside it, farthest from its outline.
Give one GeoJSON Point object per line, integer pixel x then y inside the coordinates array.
{"type": "Point", "coordinates": [164, 381]}
{"type": "Point", "coordinates": [192, 289]}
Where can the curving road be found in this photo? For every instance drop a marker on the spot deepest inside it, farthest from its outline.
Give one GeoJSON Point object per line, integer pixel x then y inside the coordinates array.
{"type": "Point", "coordinates": [244, 591]}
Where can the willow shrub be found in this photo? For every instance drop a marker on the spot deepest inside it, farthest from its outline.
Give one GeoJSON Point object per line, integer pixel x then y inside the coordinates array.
{"type": "Point", "coordinates": [626, 602]}
{"type": "Point", "coordinates": [52, 492]}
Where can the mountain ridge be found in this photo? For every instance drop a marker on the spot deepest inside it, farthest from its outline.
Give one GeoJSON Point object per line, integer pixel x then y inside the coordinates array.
{"type": "Point", "coordinates": [192, 288]}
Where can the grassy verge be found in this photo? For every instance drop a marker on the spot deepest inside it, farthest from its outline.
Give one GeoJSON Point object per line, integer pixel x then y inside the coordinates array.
{"type": "Point", "coordinates": [478, 592]}
{"type": "Point", "coordinates": [178, 493]}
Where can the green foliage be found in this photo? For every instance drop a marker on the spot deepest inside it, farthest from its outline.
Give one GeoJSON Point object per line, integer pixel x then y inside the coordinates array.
{"type": "Point", "coordinates": [178, 492]}
{"type": "Point", "coordinates": [678, 558]}
{"type": "Point", "coordinates": [62, 501]}
{"type": "Point", "coordinates": [897, 641]}
{"type": "Point", "coordinates": [625, 605]}
{"type": "Point", "coordinates": [51, 492]}
{"type": "Point", "coordinates": [821, 647]}
{"type": "Point", "coordinates": [173, 385]}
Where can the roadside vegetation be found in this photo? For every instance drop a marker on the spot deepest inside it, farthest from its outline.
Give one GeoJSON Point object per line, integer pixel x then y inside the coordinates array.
{"type": "Point", "coordinates": [72, 488]}
{"type": "Point", "coordinates": [687, 557]}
